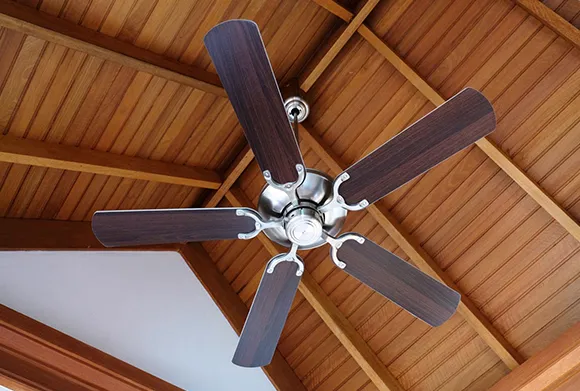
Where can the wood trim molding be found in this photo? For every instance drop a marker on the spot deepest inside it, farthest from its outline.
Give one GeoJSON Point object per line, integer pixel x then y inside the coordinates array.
{"type": "Point", "coordinates": [422, 260]}
{"type": "Point", "coordinates": [331, 315]}
{"type": "Point", "coordinates": [31, 234]}
{"type": "Point", "coordinates": [486, 145]}
{"type": "Point", "coordinates": [64, 157]}
{"type": "Point", "coordinates": [235, 311]}
{"type": "Point", "coordinates": [551, 19]}
{"type": "Point", "coordinates": [547, 369]}
{"type": "Point", "coordinates": [44, 26]}
{"type": "Point", "coordinates": [34, 356]}
{"type": "Point", "coordinates": [309, 77]}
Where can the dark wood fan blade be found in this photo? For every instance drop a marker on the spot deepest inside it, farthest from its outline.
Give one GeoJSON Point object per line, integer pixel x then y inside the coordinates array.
{"type": "Point", "coordinates": [267, 316]}
{"type": "Point", "coordinates": [116, 228]}
{"type": "Point", "coordinates": [241, 61]}
{"type": "Point", "coordinates": [399, 281]}
{"type": "Point", "coordinates": [451, 127]}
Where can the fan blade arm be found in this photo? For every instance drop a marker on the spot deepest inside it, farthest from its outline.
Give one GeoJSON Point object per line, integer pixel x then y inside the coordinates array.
{"type": "Point", "coordinates": [119, 228]}
{"type": "Point", "coordinates": [269, 310]}
{"type": "Point", "coordinates": [416, 292]}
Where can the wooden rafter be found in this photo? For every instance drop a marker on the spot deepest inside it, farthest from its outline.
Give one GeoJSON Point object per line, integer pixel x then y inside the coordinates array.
{"type": "Point", "coordinates": [38, 153]}
{"type": "Point", "coordinates": [233, 308]}
{"type": "Point", "coordinates": [487, 146]}
{"type": "Point", "coordinates": [41, 25]}
{"type": "Point", "coordinates": [236, 169]}
{"type": "Point", "coordinates": [422, 260]}
{"type": "Point", "coordinates": [548, 369]}
{"type": "Point", "coordinates": [31, 234]}
{"type": "Point", "coordinates": [551, 19]}
{"type": "Point", "coordinates": [309, 77]}
{"type": "Point", "coordinates": [37, 357]}
{"type": "Point", "coordinates": [331, 315]}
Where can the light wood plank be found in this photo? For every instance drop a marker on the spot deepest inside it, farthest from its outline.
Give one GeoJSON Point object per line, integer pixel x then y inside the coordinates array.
{"type": "Point", "coordinates": [548, 368]}
{"type": "Point", "coordinates": [551, 19]}
{"type": "Point", "coordinates": [279, 372]}
{"type": "Point", "coordinates": [41, 25]}
{"type": "Point", "coordinates": [239, 165]}
{"type": "Point", "coordinates": [487, 146]}
{"type": "Point", "coordinates": [308, 80]}
{"type": "Point", "coordinates": [38, 153]}
{"type": "Point", "coordinates": [43, 358]}
{"type": "Point", "coordinates": [420, 257]}
{"type": "Point", "coordinates": [334, 319]}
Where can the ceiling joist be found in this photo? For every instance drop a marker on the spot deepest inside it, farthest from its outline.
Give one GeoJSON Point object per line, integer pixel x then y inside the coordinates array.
{"type": "Point", "coordinates": [38, 153]}
{"type": "Point", "coordinates": [41, 25]}
{"type": "Point", "coordinates": [548, 369]}
{"type": "Point", "coordinates": [486, 145]}
{"type": "Point", "coordinates": [551, 19]}
{"type": "Point", "coordinates": [331, 315]}
{"type": "Point", "coordinates": [235, 311]}
{"type": "Point", "coordinates": [422, 260]}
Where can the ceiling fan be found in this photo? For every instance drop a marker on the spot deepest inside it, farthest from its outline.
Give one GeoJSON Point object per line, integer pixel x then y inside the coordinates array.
{"type": "Point", "coordinates": [302, 208]}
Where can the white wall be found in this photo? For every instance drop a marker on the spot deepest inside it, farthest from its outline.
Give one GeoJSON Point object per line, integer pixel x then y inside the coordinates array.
{"type": "Point", "coordinates": [146, 308]}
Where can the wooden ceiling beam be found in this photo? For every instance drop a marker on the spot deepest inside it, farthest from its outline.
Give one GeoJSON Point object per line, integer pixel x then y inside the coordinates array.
{"type": "Point", "coordinates": [319, 64]}
{"type": "Point", "coordinates": [551, 19]}
{"type": "Point", "coordinates": [237, 168]}
{"type": "Point", "coordinates": [548, 369]}
{"type": "Point", "coordinates": [29, 21]}
{"type": "Point", "coordinates": [235, 311]}
{"type": "Point", "coordinates": [486, 144]}
{"type": "Point", "coordinates": [34, 356]}
{"type": "Point", "coordinates": [331, 315]}
{"type": "Point", "coordinates": [32, 234]}
{"type": "Point", "coordinates": [64, 157]}
{"type": "Point", "coordinates": [421, 259]}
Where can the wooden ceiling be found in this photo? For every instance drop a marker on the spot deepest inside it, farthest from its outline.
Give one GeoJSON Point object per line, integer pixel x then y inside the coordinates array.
{"type": "Point", "coordinates": [499, 220]}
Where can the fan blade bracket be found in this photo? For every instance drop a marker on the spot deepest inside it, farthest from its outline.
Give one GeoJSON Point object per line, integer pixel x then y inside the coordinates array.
{"type": "Point", "coordinates": [336, 243]}
{"type": "Point", "coordinates": [259, 223]}
{"type": "Point", "coordinates": [338, 200]}
{"type": "Point", "coordinates": [291, 256]}
{"type": "Point", "coordinates": [290, 187]}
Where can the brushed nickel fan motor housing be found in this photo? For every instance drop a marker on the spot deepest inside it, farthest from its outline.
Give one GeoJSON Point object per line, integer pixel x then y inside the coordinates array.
{"type": "Point", "coordinates": [303, 222]}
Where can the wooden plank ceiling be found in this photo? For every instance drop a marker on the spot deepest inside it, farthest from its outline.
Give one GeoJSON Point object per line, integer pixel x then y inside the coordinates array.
{"type": "Point", "coordinates": [512, 260]}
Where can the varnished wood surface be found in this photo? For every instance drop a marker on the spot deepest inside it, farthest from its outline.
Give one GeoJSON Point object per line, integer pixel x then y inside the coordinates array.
{"type": "Point", "coordinates": [120, 228]}
{"type": "Point", "coordinates": [45, 359]}
{"type": "Point", "coordinates": [400, 282]}
{"type": "Point", "coordinates": [267, 316]}
{"type": "Point", "coordinates": [240, 58]}
{"type": "Point", "coordinates": [451, 127]}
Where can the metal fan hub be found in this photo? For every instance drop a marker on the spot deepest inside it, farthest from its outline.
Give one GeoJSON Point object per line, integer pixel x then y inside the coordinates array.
{"type": "Point", "coordinates": [304, 222]}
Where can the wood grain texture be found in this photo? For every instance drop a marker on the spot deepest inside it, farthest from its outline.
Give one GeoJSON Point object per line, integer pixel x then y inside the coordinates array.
{"type": "Point", "coordinates": [451, 127]}
{"type": "Point", "coordinates": [63, 157]}
{"type": "Point", "coordinates": [43, 358]}
{"type": "Point", "coordinates": [552, 20]}
{"type": "Point", "coordinates": [399, 281]}
{"type": "Point", "coordinates": [548, 368]}
{"type": "Point", "coordinates": [235, 311]}
{"type": "Point", "coordinates": [309, 77]}
{"type": "Point", "coordinates": [267, 316]}
{"type": "Point", "coordinates": [240, 58]}
{"type": "Point", "coordinates": [159, 226]}
{"type": "Point", "coordinates": [425, 262]}
{"type": "Point", "coordinates": [29, 21]}
{"type": "Point", "coordinates": [32, 234]}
